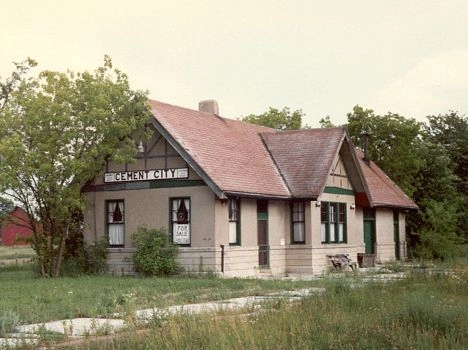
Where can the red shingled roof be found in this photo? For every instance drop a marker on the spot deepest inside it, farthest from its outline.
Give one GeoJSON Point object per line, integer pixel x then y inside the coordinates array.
{"type": "Point", "coordinates": [383, 191]}
{"type": "Point", "coordinates": [304, 157]}
{"type": "Point", "coordinates": [230, 152]}
{"type": "Point", "coordinates": [234, 157]}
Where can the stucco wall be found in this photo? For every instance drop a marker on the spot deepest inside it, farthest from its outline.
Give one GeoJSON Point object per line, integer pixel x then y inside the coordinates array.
{"type": "Point", "coordinates": [150, 207]}
{"type": "Point", "coordinates": [384, 234]}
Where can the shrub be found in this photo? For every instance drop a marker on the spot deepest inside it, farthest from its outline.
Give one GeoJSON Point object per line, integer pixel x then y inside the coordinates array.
{"type": "Point", "coordinates": [84, 259]}
{"type": "Point", "coordinates": [155, 254]}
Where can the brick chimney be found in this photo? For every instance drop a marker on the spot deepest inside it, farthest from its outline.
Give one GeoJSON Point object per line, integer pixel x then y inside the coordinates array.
{"type": "Point", "coordinates": [209, 106]}
{"type": "Point", "coordinates": [366, 148]}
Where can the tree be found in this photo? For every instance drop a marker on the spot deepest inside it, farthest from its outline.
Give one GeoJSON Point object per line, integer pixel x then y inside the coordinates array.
{"type": "Point", "coordinates": [57, 130]}
{"type": "Point", "coordinates": [6, 206]}
{"type": "Point", "coordinates": [423, 160]}
{"type": "Point", "coordinates": [392, 143]}
{"type": "Point", "coordinates": [11, 83]}
{"type": "Point", "coordinates": [434, 226]}
{"type": "Point", "coordinates": [450, 133]}
{"type": "Point", "coordinates": [276, 119]}
{"type": "Point", "coordinates": [326, 123]}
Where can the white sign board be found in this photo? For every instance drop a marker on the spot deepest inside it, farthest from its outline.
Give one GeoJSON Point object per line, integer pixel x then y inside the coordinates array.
{"type": "Point", "coordinates": [146, 175]}
{"type": "Point", "coordinates": [181, 234]}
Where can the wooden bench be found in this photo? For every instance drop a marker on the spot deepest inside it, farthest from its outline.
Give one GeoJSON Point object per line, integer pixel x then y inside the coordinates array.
{"type": "Point", "coordinates": [339, 261]}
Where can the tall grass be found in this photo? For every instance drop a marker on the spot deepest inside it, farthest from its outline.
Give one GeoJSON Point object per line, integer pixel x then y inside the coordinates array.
{"type": "Point", "coordinates": [36, 299]}
{"type": "Point", "coordinates": [16, 252]}
{"type": "Point", "coordinates": [421, 312]}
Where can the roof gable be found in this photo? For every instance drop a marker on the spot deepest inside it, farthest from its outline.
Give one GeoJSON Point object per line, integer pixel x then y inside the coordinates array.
{"type": "Point", "coordinates": [382, 191]}
{"type": "Point", "coordinates": [305, 157]}
{"type": "Point", "coordinates": [228, 154]}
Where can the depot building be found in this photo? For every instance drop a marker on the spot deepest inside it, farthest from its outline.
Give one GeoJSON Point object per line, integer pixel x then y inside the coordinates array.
{"type": "Point", "coordinates": [242, 199]}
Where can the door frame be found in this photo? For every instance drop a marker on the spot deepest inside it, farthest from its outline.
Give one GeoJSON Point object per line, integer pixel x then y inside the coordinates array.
{"type": "Point", "coordinates": [369, 231]}
{"type": "Point", "coordinates": [263, 237]}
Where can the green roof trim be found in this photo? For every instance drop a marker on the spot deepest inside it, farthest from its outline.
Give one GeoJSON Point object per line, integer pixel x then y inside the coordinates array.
{"type": "Point", "coordinates": [338, 190]}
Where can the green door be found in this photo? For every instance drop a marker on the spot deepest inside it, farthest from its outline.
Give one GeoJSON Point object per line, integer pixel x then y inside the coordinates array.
{"type": "Point", "coordinates": [262, 234]}
{"type": "Point", "coordinates": [369, 230]}
{"type": "Point", "coordinates": [369, 235]}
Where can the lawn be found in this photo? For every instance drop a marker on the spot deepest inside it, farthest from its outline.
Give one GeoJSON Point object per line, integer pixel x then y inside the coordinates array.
{"type": "Point", "coordinates": [16, 252]}
{"type": "Point", "coordinates": [37, 299]}
{"type": "Point", "coordinates": [425, 310]}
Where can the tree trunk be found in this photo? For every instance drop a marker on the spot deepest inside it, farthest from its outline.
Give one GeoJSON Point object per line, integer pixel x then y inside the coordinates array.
{"type": "Point", "coordinates": [59, 257]}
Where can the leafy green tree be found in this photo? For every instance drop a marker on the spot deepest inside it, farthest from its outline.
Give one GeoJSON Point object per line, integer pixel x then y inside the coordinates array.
{"type": "Point", "coordinates": [434, 231]}
{"type": "Point", "coordinates": [438, 238]}
{"type": "Point", "coordinates": [450, 132]}
{"type": "Point", "coordinates": [6, 206]}
{"type": "Point", "coordinates": [326, 123]}
{"type": "Point", "coordinates": [56, 132]}
{"type": "Point", "coordinates": [277, 119]}
{"type": "Point", "coordinates": [11, 83]}
{"type": "Point", "coordinates": [392, 143]}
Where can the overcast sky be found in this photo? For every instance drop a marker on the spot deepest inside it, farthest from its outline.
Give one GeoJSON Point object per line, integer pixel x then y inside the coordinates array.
{"type": "Point", "coordinates": [324, 57]}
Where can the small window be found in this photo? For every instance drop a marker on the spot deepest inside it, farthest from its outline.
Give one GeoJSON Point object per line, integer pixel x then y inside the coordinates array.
{"type": "Point", "coordinates": [333, 222]}
{"type": "Point", "coordinates": [234, 221]}
{"type": "Point", "coordinates": [324, 222]}
{"type": "Point", "coordinates": [298, 222]}
{"type": "Point", "coordinates": [342, 223]}
{"type": "Point", "coordinates": [180, 220]}
{"type": "Point", "coordinates": [116, 223]}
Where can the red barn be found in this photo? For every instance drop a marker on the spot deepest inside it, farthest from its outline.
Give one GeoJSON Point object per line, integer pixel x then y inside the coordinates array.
{"type": "Point", "coordinates": [16, 225]}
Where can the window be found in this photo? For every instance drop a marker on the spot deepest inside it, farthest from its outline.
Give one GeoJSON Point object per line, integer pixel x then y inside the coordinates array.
{"type": "Point", "coordinates": [342, 223]}
{"type": "Point", "coordinates": [116, 223]}
{"type": "Point", "coordinates": [180, 220]}
{"type": "Point", "coordinates": [333, 222]}
{"type": "Point", "coordinates": [298, 222]}
{"type": "Point", "coordinates": [234, 221]}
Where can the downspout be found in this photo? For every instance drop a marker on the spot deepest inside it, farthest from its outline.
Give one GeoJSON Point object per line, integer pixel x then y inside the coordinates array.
{"type": "Point", "coordinates": [222, 258]}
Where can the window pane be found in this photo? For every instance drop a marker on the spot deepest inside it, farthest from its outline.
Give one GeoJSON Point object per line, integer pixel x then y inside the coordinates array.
{"type": "Point", "coordinates": [323, 232]}
{"type": "Point", "coordinates": [340, 232]}
{"type": "Point", "coordinates": [115, 212]}
{"type": "Point", "coordinates": [299, 232]}
{"type": "Point", "coordinates": [332, 233]}
{"type": "Point", "coordinates": [116, 234]}
{"type": "Point", "coordinates": [332, 212]}
{"type": "Point", "coordinates": [342, 217]}
{"type": "Point", "coordinates": [116, 223]}
{"type": "Point", "coordinates": [233, 232]}
{"type": "Point", "coordinates": [180, 216]}
{"type": "Point", "coordinates": [324, 213]}
{"type": "Point", "coordinates": [233, 210]}
{"type": "Point", "coordinates": [298, 211]}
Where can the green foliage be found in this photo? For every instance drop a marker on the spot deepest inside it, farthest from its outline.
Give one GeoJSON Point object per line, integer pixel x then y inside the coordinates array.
{"type": "Point", "coordinates": [57, 130]}
{"type": "Point", "coordinates": [155, 254]}
{"type": "Point", "coordinates": [277, 119]}
{"type": "Point", "coordinates": [450, 132]}
{"type": "Point", "coordinates": [392, 143]}
{"type": "Point", "coordinates": [438, 238]}
{"type": "Point", "coordinates": [81, 258]}
{"type": "Point", "coordinates": [429, 162]}
{"type": "Point", "coordinates": [326, 123]}
{"type": "Point", "coordinates": [6, 206]}
{"type": "Point", "coordinates": [11, 84]}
